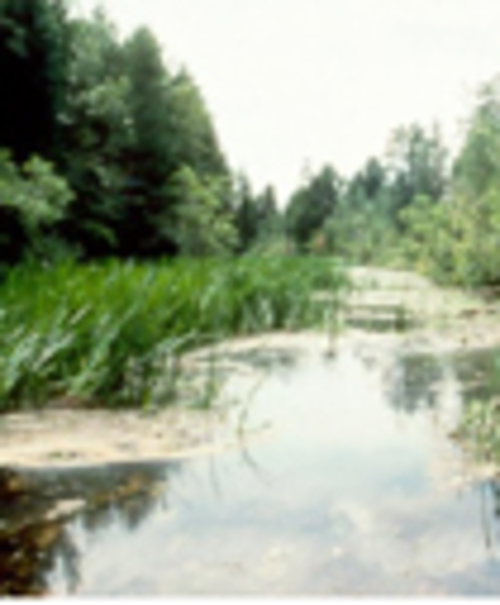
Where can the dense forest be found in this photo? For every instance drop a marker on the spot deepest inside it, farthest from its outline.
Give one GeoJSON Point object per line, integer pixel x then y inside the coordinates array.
{"type": "Point", "coordinates": [108, 152]}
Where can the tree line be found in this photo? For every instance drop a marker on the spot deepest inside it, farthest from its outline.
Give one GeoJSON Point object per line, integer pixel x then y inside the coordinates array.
{"type": "Point", "coordinates": [418, 206]}
{"type": "Point", "coordinates": [357, 217]}
{"type": "Point", "coordinates": [105, 150]}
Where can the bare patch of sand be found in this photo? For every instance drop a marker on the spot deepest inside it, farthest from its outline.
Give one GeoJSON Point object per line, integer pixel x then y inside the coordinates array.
{"type": "Point", "coordinates": [56, 438]}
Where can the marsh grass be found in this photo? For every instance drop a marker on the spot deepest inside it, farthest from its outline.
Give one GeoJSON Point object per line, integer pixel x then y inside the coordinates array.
{"type": "Point", "coordinates": [107, 333]}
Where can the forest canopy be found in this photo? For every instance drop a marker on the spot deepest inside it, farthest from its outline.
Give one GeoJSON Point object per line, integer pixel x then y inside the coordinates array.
{"type": "Point", "coordinates": [126, 148]}
{"type": "Point", "coordinates": [107, 151]}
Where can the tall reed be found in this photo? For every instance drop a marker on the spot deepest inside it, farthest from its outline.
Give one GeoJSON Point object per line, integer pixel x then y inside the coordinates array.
{"type": "Point", "coordinates": [106, 332]}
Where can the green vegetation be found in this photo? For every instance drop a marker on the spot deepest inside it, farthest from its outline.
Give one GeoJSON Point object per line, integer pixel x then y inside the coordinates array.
{"type": "Point", "coordinates": [120, 220]}
{"type": "Point", "coordinates": [107, 333]}
{"type": "Point", "coordinates": [480, 430]}
{"type": "Point", "coordinates": [126, 238]}
{"type": "Point", "coordinates": [415, 208]}
{"type": "Point", "coordinates": [110, 152]}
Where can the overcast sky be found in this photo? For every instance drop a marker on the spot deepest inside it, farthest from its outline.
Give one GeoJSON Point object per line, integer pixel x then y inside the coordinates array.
{"type": "Point", "coordinates": [290, 81]}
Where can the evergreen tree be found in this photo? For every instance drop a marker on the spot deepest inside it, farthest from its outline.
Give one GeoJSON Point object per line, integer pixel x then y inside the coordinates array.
{"type": "Point", "coordinates": [33, 72]}
{"type": "Point", "coordinates": [311, 205]}
{"type": "Point", "coordinates": [245, 213]}
{"type": "Point", "coordinates": [152, 157]}
{"type": "Point", "coordinates": [193, 139]}
{"type": "Point", "coordinates": [416, 163]}
{"type": "Point", "coordinates": [267, 214]}
{"type": "Point", "coordinates": [96, 134]}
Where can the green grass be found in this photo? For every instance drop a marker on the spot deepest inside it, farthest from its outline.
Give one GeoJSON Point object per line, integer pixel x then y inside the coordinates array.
{"type": "Point", "coordinates": [106, 333]}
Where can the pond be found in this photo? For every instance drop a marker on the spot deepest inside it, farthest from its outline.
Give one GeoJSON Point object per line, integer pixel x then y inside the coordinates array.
{"type": "Point", "coordinates": [346, 483]}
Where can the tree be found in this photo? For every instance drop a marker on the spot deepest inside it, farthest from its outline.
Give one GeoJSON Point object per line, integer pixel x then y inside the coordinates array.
{"type": "Point", "coordinates": [416, 165]}
{"type": "Point", "coordinates": [116, 123]}
{"type": "Point", "coordinates": [311, 205]}
{"type": "Point", "coordinates": [202, 226]}
{"type": "Point", "coordinates": [268, 217]}
{"type": "Point", "coordinates": [152, 153]}
{"type": "Point", "coordinates": [477, 167]}
{"type": "Point", "coordinates": [193, 139]}
{"type": "Point", "coordinates": [97, 133]}
{"type": "Point", "coordinates": [257, 217]}
{"type": "Point", "coordinates": [32, 201]}
{"type": "Point", "coordinates": [368, 186]}
{"type": "Point", "coordinates": [245, 212]}
{"type": "Point", "coordinates": [33, 71]}
{"type": "Point", "coordinates": [172, 130]}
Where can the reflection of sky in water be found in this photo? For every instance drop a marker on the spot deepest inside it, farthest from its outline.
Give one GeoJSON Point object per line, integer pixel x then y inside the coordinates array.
{"type": "Point", "coordinates": [338, 498]}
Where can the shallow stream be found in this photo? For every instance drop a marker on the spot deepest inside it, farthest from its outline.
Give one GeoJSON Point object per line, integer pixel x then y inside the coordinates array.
{"type": "Point", "coordinates": [346, 483]}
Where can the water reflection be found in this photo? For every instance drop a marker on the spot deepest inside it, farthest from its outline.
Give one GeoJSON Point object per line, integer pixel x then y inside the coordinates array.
{"type": "Point", "coordinates": [349, 494]}
{"type": "Point", "coordinates": [479, 374]}
{"type": "Point", "coordinates": [34, 548]}
{"type": "Point", "coordinates": [28, 557]}
{"type": "Point", "coordinates": [415, 384]}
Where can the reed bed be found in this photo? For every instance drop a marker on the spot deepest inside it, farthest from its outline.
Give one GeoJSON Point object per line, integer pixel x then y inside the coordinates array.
{"type": "Point", "coordinates": [105, 333]}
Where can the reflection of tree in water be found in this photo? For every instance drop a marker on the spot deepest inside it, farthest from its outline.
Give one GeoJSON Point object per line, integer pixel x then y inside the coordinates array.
{"type": "Point", "coordinates": [130, 504]}
{"type": "Point", "coordinates": [479, 373]}
{"type": "Point", "coordinates": [31, 554]}
{"type": "Point", "coordinates": [410, 387]}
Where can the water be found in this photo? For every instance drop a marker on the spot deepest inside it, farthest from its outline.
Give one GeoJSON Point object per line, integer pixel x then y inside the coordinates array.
{"type": "Point", "coordinates": [348, 489]}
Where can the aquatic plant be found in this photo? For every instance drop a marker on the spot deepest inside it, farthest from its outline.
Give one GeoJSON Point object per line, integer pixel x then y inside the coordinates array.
{"type": "Point", "coordinates": [106, 333]}
{"type": "Point", "coordinates": [479, 430]}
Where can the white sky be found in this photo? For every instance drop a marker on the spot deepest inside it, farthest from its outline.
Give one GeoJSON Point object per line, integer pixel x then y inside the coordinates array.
{"type": "Point", "coordinates": [290, 81]}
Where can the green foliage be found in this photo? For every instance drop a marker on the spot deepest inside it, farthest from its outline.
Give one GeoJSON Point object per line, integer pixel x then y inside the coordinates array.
{"type": "Point", "coordinates": [116, 122]}
{"type": "Point", "coordinates": [416, 165]}
{"type": "Point", "coordinates": [202, 226]}
{"type": "Point", "coordinates": [457, 240]}
{"type": "Point", "coordinates": [193, 138]}
{"type": "Point", "coordinates": [149, 105]}
{"type": "Point", "coordinates": [33, 72]}
{"type": "Point", "coordinates": [479, 430]}
{"type": "Point", "coordinates": [109, 332]}
{"type": "Point", "coordinates": [364, 236]}
{"type": "Point", "coordinates": [379, 216]}
{"type": "Point", "coordinates": [114, 154]}
{"type": "Point", "coordinates": [312, 205]}
{"type": "Point", "coordinates": [477, 167]}
{"type": "Point", "coordinates": [96, 132]}
{"type": "Point", "coordinates": [246, 215]}
{"type": "Point", "coordinates": [257, 218]}
{"type": "Point", "coordinates": [269, 220]}
{"type": "Point", "coordinates": [32, 200]}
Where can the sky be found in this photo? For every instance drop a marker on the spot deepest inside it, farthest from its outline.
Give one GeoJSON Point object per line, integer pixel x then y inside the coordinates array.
{"type": "Point", "coordinates": [296, 83]}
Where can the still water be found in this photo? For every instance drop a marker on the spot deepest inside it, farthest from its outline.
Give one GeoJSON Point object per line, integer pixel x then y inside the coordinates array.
{"type": "Point", "coordinates": [349, 488]}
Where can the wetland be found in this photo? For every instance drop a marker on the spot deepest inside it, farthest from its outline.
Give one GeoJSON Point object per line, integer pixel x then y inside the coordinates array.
{"type": "Point", "coordinates": [335, 466]}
